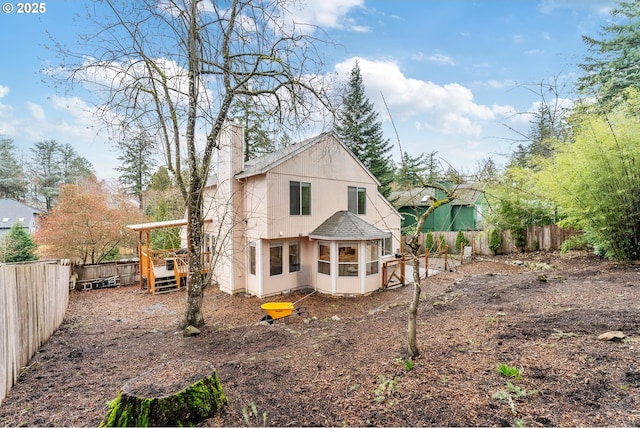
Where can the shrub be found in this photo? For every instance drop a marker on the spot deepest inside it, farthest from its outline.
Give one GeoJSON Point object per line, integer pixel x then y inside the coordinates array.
{"type": "Point", "coordinates": [577, 242]}
{"type": "Point", "coordinates": [460, 240]}
{"type": "Point", "coordinates": [495, 241]}
{"type": "Point", "coordinates": [441, 243]}
{"type": "Point", "coordinates": [429, 243]}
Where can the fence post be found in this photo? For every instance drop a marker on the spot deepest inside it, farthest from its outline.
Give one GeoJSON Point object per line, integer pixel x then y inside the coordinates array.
{"type": "Point", "coordinates": [446, 253]}
{"type": "Point", "coordinates": [426, 264]}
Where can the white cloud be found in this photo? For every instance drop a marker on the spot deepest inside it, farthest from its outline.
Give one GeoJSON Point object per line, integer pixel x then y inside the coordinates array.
{"type": "Point", "coordinates": [4, 90]}
{"type": "Point", "coordinates": [327, 14]}
{"type": "Point", "coordinates": [36, 111]}
{"type": "Point", "coordinates": [418, 56]}
{"type": "Point", "coordinates": [449, 109]}
{"type": "Point", "coordinates": [548, 6]}
{"type": "Point", "coordinates": [442, 59]}
{"type": "Point", "coordinates": [498, 84]}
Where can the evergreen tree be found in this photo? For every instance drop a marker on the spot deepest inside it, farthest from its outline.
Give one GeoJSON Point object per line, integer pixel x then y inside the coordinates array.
{"type": "Point", "coordinates": [359, 128]}
{"type": "Point", "coordinates": [17, 245]}
{"type": "Point", "coordinates": [53, 164]}
{"type": "Point", "coordinates": [74, 167]}
{"type": "Point", "coordinates": [416, 171]}
{"type": "Point", "coordinates": [46, 170]}
{"type": "Point", "coordinates": [615, 61]}
{"type": "Point", "coordinates": [487, 170]}
{"type": "Point", "coordinates": [136, 156]}
{"type": "Point", "coordinates": [160, 180]}
{"type": "Point", "coordinates": [12, 180]}
{"type": "Point", "coordinates": [256, 138]}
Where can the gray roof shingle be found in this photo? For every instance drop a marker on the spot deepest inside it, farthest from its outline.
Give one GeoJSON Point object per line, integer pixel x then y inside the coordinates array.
{"type": "Point", "coordinates": [344, 225]}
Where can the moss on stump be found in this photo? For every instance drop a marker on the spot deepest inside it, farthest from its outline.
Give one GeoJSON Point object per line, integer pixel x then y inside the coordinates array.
{"type": "Point", "coordinates": [174, 394]}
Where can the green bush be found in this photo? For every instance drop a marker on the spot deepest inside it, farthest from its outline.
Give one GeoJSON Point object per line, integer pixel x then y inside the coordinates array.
{"type": "Point", "coordinates": [495, 241]}
{"type": "Point", "coordinates": [429, 243]}
{"type": "Point", "coordinates": [577, 242]}
{"type": "Point", "coordinates": [460, 240]}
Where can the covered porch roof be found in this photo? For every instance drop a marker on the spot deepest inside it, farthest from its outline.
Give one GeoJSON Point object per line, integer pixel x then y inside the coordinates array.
{"type": "Point", "coordinates": [346, 226]}
{"type": "Point", "coordinates": [158, 225]}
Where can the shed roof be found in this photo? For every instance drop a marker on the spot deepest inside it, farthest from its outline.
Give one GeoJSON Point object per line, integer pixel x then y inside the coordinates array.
{"type": "Point", "coordinates": [466, 194]}
{"type": "Point", "coordinates": [344, 225]}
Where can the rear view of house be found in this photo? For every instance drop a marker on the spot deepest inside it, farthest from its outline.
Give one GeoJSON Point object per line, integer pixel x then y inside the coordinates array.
{"type": "Point", "coordinates": [307, 216]}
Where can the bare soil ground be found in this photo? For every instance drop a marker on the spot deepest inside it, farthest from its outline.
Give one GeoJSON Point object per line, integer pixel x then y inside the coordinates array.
{"type": "Point", "coordinates": [346, 364]}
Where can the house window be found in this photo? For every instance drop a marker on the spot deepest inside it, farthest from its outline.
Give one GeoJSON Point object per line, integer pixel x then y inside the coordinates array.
{"type": "Point", "coordinates": [372, 257]}
{"type": "Point", "coordinates": [348, 259]}
{"type": "Point", "coordinates": [252, 258]}
{"type": "Point", "coordinates": [299, 198]}
{"type": "Point", "coordinates": [387, 246]}
{"type": "Point", "coordinates": [294, 256]}
{"type": "Point", "coordinates": [357, 200]}
{"type": "Point", "coordinates": [275, 259]}
{"type": "Point", "coordinates": [324, 259]}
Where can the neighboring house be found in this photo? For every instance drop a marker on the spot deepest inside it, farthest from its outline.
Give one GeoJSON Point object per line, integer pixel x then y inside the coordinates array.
{"type": "Point", "coordinates": [306, 216]}
{"type": "Point", "coordinates": [12, 212]}
{"type": "Point", "coordinates": [466, 212]}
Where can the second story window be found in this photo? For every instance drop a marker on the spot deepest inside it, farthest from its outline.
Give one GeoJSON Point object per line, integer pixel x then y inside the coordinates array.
{"type": "Point", "coordinates": [357, 200]}
{"type": "Point", "coordinates": [299, 198]}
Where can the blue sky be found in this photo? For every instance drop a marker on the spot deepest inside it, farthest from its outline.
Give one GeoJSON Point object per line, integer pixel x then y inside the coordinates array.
{"type": "Point", "coordinates": [453, 72]}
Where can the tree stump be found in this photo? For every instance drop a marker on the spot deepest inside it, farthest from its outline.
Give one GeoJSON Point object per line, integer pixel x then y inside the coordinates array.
{"type": "Point", "coordinates": [174, 394]}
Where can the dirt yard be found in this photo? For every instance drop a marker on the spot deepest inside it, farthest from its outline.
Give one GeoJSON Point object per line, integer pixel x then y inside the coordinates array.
{"type": "Point", "coordinates": [346, 364]}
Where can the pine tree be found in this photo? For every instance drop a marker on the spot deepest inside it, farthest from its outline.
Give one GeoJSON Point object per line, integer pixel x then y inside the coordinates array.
{"type": "Point", "coordinates": [359, 128]}
{"type": "Point", "coordinates": [417, 171]}
{"type": "Point", "coordinates": [136, 156]}
{"type": "Point", "coordinates": [615, 61]}
{"type": "Point", "coordinates": [53, 164]}
{"type": "Point", "coordinates": [160, 180]}
{"type": "Point", "coordinates": [17, 246]}
{"type": "Point", "coordinates": [12, 180]}
{"type": "Point", "coordinates": [256, 138]}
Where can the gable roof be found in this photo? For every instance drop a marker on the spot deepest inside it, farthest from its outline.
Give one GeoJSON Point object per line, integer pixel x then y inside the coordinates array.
{"type": "Point", "coordinates": [12, 212]}
{"type": "Point", "coordinates": [263, 164]}
{"type": "Point", "coordinates": [344, 225]}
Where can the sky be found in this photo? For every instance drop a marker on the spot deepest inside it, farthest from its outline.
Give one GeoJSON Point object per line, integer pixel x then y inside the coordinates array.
{"type": "Point", "coordinates": [450, 76]}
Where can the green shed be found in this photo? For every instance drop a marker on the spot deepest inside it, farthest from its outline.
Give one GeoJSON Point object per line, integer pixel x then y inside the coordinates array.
{"type": "Point", "coordinates": [463, 213]}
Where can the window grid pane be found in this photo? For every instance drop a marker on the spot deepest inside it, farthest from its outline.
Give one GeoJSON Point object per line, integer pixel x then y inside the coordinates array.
{"type": "Point", "coordinates": [294, 198]}
{"type": "Point", "coordinates": [252, 258]}
{"type": "Point", "coordinates": [305, 198]}
{"type": "Point", "coordinates": [348, 259]}
{"type": "Point", "coordinates": [275, 259]}
{"type": "Point", "coordinates": [324, 260]}
{"type": "Point", "coordinates": [294, 256]}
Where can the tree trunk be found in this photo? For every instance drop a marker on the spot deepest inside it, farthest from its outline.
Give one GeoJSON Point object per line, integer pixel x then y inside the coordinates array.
{"type": "Point", "coordinates": [414, 352]}
{"type": "Point", "coordinates": [174, 394]}
{"type": "Point", "coordinates": [195, 279]}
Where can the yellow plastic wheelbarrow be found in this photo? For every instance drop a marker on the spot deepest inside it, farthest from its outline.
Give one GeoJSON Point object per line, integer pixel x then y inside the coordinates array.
{"type": "Point", "coordinates": [277, 310]}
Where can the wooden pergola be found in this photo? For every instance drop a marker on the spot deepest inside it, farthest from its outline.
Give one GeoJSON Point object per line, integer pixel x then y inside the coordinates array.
{"type": "Point", "coordinates": [144, 250]}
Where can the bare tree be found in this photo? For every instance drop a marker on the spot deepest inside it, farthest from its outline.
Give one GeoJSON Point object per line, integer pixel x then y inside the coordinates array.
{"type": "Point", "coordinates": [175, 67]}
{"type": "Point", "coordinates": [413, 246]}
{"type": "Point", "coordinates": [448, 192]}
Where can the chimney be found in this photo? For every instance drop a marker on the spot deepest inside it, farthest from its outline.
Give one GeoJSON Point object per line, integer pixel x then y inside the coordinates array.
{"type": "Point", "coordinates": [231, 153]}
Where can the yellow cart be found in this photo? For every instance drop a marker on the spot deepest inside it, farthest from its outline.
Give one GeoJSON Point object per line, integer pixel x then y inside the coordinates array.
{"type": "Point", "coordinates": [277, 310]}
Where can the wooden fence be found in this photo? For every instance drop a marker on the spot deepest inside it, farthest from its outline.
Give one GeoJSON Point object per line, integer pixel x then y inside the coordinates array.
{"type": "Point", "coordinates": [548, 238]}
{"type": "Point", "coordinates": [126, 272]}
{"type": "Point", "coordinates": [33, 301]}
